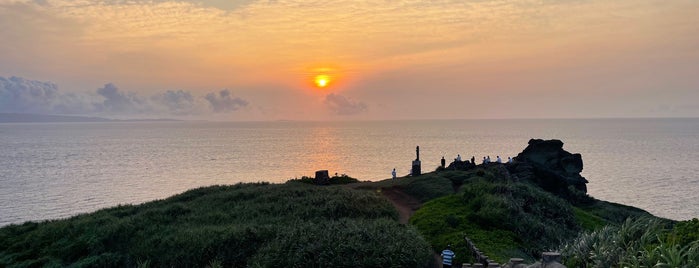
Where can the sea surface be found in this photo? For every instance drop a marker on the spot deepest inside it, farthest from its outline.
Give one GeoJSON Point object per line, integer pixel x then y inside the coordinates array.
{"type": "Point", "coordinates": [56, 170]}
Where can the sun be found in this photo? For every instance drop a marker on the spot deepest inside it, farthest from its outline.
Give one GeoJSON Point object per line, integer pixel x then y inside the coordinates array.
{"type": "Point", "coordinates": [322, 80]}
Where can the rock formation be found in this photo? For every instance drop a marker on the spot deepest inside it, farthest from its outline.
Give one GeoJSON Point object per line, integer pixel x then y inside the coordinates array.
{"type": "Point", "coordinates": [545, 163]}
{"type": "Point", "coordinates": [461, 165]}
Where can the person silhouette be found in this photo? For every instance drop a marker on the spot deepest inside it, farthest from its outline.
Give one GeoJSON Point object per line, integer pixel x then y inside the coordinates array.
{"type": "Point", "coordinates": [447, 257]}
{"type": "Point", "coordinates": [393, 173]}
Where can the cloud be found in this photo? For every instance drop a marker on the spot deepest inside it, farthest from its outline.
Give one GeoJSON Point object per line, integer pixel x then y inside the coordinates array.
{"type": "Point", "coordinates": [178, 102]}
{"type": "Point", "coordinates": [341, 105]}
{"type": "Point", "coordinates": [223, 102]}
{"type": "Point", "coordinates": [19, 95]}
{"type": "Point", "coordinates": [119, 102]}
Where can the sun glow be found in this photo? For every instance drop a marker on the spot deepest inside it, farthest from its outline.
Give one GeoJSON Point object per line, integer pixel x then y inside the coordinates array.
{"type": "Point", "coordinates": [322, 80]}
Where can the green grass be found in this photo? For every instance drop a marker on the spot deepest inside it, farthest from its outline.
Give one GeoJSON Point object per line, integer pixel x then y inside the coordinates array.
{"type": "Point", "coordinates": [443, 221]}
{"type": "Point", "coordinates": [423, 188]}
{"type": "Point", "coordinates": [612, 212]}
{"type": "Point", "coordinates": [232, 226]}
{"type": "Point", "coordinates": [684, 232]}
{"type": "Point", "coordinates": [297, 224]}
{"type": "Point", "coordinates": [642, 242]}
{"type": "Point", "coordinates": [505, 218]}
{"type": "Point", "coordinates": [500, 218]}
{"type": "Point", "coordinates": [587, 220]}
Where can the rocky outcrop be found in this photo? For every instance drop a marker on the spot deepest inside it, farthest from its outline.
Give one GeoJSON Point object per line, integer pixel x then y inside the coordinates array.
{"type": "Point", "coordinates": [461, 165]}
{"type": "Point", "coordinates": [545, 163]}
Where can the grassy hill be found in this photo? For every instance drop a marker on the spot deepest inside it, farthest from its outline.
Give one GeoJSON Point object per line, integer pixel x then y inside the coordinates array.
{"type": "Point", "coordinates": [298, 224]}
{"type": "Point", "coordinates": [257, 225]}
{"type": "Point", "coordinates": [508, 218]}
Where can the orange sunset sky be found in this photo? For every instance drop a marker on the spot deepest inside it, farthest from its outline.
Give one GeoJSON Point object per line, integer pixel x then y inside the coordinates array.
{"type": "Point", "coordinates": [259, 60]}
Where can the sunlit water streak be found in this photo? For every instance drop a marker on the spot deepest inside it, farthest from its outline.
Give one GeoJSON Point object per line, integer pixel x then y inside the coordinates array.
{"type": "Point", "coordinates": [57, 170]}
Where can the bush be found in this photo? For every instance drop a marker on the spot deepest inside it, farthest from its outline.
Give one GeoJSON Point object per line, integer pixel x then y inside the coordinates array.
{"type": "Point", "coordinates": [444, 221]}
{"type": "Point", "coordinates": [684, 232]}
{"type": "Point", "coordinates": [345, 243]}
{"type": "Point", "coordinates": [587, 220]}
{"type": "Point", "coordinates": [641, 242]}
{"type": "Point", "coordinates": [500, 217]}
{"type": "Point", "coordinates": [540, 219]}
{"type": "Point", "coordinates": [427, 187]}
{"type": "Point", "coordinates": [334, 180]}
{"type": "Point", "coordinates": [218, 226]}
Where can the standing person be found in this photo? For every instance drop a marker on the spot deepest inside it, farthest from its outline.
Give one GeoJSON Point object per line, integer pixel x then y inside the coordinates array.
{"type": "Point", "coordinates": [393, 173]}
{"type": "Point", "coordinates": [447, 257]}
{"type": "Point", "coordinates": [458, 158]}
{"type": "Point", "coordinates": [444, 162]}
{"type": "Point", "coordinates": [509, 160]}
{"type": "Point", "coordinates": [473, 159]}
{"type": "Point", "coordinates": [498, 160]}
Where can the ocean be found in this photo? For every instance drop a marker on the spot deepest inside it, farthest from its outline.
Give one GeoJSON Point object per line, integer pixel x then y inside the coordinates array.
{"type": "Point", "coordinates": [57, 170]}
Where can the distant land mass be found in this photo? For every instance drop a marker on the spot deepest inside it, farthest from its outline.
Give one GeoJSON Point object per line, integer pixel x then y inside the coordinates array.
{"type": "Point", "coordinates": [45, 118]}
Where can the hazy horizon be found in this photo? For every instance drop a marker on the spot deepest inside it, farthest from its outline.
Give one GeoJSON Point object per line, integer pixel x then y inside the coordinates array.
{"type": "Point", "coordinates": [252, 60]}
{"type": "Point", "coordinates": [90, 118]}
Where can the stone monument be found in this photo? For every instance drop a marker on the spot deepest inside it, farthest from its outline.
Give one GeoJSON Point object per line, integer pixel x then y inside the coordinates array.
{"type": "Point", "coordinates": [322, 177]}
{"type": "Point", "coordinates": [416, 171]}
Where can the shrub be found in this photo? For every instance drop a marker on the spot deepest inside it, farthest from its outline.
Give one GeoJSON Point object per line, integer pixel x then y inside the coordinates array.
{"type": "Point", "coordinates": [216, 226]}
{"type": "Point", "coordinates": [345, 243]}
{"type": "Point", "coordinates": [427, 187]}
{"type": "Point", "coordinates": [636, 243]}
{"type": "Point", "coordinates": [500, 217]}
{"type": "Point", "coordinates": [684, 232]}
{"type": "Point", "coordinates": [334, 180]}
{"type": "Point", "coordinates": [587, 220]}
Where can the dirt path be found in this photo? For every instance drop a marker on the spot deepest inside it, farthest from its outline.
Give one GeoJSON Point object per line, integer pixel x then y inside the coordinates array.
{"type": "Point", "coordinates": [405, 204]}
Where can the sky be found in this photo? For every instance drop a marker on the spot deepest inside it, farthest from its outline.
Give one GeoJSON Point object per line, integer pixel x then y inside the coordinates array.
{"type": "Point", "coordinates": [246, 60]}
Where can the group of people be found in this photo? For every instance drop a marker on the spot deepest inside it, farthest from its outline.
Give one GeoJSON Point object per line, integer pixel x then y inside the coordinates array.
{"type": "Point", "coordinates": [486, 159]}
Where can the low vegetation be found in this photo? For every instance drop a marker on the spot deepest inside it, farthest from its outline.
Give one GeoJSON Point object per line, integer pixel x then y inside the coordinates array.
{"type": "Point", "coordinates": [258, 225]}
{"type": "Point", "coordinates": [299, 224]}
{"type": "Point", "coordinates": [334, 180]}
{"type": "Point", "coordinates": [643, 242]}
{"type": "Point", "coordinates": [504, 218]}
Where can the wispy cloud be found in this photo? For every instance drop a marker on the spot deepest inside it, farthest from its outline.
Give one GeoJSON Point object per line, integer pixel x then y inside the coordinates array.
{"type": "Point", "coordinates": [341, 105]}
{"type": "Point", "coordinates": [285, 32]}
{"type": "Point", "coordinates": [419, 48]}
{"type": "Point", "coordinates": [224, 102]}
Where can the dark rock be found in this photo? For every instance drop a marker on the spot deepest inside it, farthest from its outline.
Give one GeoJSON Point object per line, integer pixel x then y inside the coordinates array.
{"type": "Point", "coordinates": [322, 177]}
{"type": "Point", "coordinates": [416, 170]}
{"type": "Point", "coordinates": [549, 257]}
{"type": "Point", "coordinates": [552, 168]}
{"type": "Point", "coordinates": [461, 165]}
